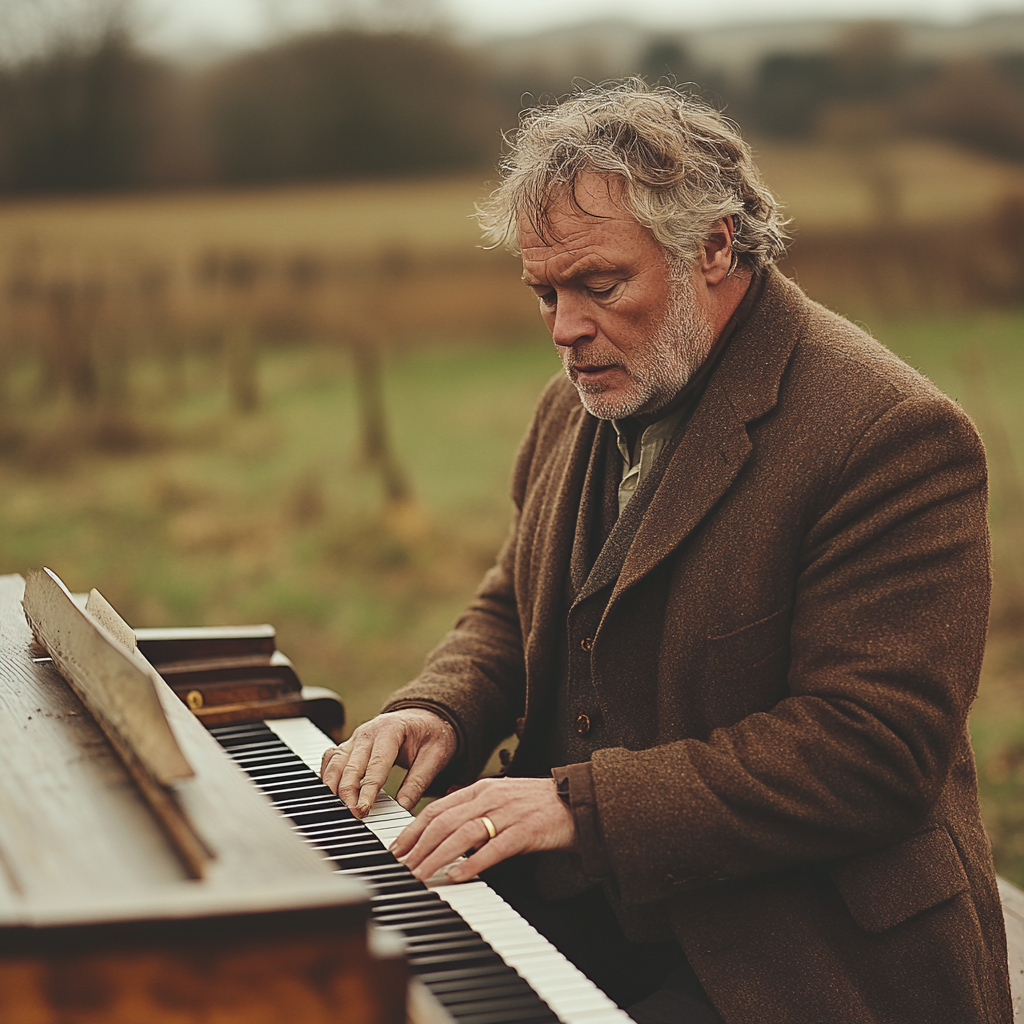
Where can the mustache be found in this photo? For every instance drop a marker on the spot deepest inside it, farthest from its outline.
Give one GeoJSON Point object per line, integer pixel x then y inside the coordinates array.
{"type": "Point", "coordinates": [573, 360]}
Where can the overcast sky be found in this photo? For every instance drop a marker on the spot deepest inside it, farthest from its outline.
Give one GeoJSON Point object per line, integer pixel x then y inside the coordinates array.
{"type": "Point", "coordinates": [183, 26]}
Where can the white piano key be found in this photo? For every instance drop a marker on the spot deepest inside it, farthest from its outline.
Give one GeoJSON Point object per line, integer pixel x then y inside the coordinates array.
{"type": "Point", "coordinates": [573, 997]}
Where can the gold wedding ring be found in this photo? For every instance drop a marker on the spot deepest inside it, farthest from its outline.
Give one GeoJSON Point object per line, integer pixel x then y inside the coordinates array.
{"type": "Point", "coordinates": [489, 825]}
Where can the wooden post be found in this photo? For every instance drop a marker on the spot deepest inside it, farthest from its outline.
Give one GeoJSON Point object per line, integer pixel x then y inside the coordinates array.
{"type": "Point", "coordinates": [242, 367]}
{"type": "Point", "coordinates": [375, 442]}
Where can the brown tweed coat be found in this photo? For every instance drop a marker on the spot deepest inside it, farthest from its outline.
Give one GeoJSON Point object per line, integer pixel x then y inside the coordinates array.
{"type": "Point", "coordinates": [783, 669]}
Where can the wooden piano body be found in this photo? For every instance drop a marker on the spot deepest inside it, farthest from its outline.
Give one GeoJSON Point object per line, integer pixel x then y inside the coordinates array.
{"type": "Point", "coordinates": [99, 921]}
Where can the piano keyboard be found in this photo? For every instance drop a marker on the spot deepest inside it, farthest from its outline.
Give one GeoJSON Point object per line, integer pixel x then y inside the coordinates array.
{"type": "Point", "coordinates": [482, 961]}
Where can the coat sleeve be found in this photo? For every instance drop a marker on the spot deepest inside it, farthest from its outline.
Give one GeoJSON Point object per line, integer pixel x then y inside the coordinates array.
{"type": "Point", "coordinates": [887, 635]}
{"type": "Point", "coordinates": [476, 676]}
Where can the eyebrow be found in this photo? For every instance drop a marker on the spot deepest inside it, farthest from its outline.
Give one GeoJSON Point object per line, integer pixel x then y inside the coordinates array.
{"type": "Point", "coordinates": [590, 264]}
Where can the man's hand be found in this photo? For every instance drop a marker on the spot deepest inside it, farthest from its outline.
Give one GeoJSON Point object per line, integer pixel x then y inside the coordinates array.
{"type": "Point", "coordinates": [412, 738]}
{"type": "Point", "coordinates": [526, 814]}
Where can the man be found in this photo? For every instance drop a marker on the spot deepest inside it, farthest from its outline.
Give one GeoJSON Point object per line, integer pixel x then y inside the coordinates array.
{"type": "Point", "coordinates": [737, 624]}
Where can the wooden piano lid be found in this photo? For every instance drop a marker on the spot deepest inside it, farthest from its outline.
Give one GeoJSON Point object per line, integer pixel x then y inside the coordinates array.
{"type": "Point", "coordinates": [79, 845]}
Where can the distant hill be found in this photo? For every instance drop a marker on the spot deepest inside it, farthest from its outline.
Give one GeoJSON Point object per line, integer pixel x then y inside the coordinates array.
{"type": "Point", "coordinates": [613, 48]}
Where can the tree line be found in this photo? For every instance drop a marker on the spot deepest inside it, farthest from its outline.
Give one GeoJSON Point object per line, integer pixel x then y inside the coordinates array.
{"type": "Point", "coordinates": [94, 112]}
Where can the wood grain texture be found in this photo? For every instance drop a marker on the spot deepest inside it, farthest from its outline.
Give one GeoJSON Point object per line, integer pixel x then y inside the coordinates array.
{"type": "Point", "coordinates": [116, 687]}
{"type": "Point", "coordinates": [98, 659]}
{"type": "Point", "coordinates": [103, 612]}
{"type": "Point", "coordinates": [264, 969]}
{"type": "Point", "coordinates": [98, 923]}
{"type": "Point", "coordinates": [78, 844]}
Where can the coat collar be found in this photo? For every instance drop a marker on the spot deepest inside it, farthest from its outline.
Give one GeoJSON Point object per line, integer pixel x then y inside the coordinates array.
{"type": "Point", "coordinates": [743, 388]}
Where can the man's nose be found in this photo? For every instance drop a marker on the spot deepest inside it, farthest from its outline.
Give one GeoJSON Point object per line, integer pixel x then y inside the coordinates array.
{"type": "Point", "coordinates": [572, 323]}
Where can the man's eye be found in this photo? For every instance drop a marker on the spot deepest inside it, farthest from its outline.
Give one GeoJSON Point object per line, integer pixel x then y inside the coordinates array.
{"type": "Point", "coordinates": [548, 300]}
{"type": "Point", "coordinates": [603, 293]}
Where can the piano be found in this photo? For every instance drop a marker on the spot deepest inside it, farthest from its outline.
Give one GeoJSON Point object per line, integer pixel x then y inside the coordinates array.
{"type": "Point", "coordinates": [300, 913]}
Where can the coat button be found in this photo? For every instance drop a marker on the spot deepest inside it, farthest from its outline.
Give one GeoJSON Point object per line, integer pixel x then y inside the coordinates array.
{"type": "Point", "coordinates": [587, 643]}
{"type": "Point", "coordinates": [583, 725]}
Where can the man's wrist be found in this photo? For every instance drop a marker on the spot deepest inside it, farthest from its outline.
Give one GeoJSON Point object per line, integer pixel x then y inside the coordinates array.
{"type": "Point", "coordinates": [439, 712]}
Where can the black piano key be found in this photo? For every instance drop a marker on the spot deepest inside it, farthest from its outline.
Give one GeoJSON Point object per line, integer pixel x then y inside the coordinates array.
{"type": "Point", "coordinates": [460, 974]}
{"type": "Point", "coordinates": [422, 899]}
{"type": "Point", "coordinates": [533, 1015]}
{"type": "Point", "coordinates": [421, 962]}
{"type": "Point", "coordinates": [437, 953]}
{"type": "Point", "coordinates": [510, 1004]}
{"type": "Point", "coordinates": [324, 833]}
{"type": "Point", "coordinates": [416, 917]}
{"type": "Point", "coordinates": [467, 940]}
{"type": "Point", "coordinates": [495, 986]}
{"type": "Point", "coordinates": [367, 863]}
{"type": "Point", "coordinates": [304, 817]}
{"type": "Point", "coordinates": [504, 990]}
{"type": "Point", "coordinates": [432, 929]}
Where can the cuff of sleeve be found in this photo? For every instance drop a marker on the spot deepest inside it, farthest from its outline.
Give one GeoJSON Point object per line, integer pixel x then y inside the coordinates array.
{"type": "Point", "coordinates": [577, 781]}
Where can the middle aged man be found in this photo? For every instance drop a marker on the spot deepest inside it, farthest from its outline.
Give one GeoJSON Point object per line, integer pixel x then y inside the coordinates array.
{"type": "Point", "coordinates": [737, 624]}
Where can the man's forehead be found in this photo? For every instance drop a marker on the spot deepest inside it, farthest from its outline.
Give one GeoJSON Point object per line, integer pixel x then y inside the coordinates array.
{"type": "Point", "coordinates": [587, 209]}
{"type": "Point", "coordinates": [592, 234]}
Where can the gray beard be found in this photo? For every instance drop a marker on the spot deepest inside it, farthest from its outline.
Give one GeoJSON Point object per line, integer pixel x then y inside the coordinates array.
{"type": "Point", "coordinates": [662, 367]}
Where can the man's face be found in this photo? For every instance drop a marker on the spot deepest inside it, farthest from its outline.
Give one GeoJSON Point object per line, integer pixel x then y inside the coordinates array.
{"type": "Point", "coordinates": [629, 329]}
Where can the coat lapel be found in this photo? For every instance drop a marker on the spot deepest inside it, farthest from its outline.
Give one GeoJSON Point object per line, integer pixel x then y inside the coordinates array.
{"type": "Point", "coordinates": [716, 444]}
{"type": "Point", "coordinates": [703, 467]}
{"type": "Point", "coordinates": [588, 517]}
{"type": "Point", "coordinates": [559, 508]}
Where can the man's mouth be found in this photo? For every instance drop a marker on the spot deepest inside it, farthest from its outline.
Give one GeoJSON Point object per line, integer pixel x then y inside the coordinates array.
{"type": "Point", "coordinates": [593, 373]}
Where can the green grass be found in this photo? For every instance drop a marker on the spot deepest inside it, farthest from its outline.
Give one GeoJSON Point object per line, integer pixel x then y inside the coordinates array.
{"type": "Point", "coordinates": [211, 517]}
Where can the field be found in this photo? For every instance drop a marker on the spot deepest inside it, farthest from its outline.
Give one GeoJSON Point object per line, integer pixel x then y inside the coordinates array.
{"type": "Point", "coordinates": [184, 504]}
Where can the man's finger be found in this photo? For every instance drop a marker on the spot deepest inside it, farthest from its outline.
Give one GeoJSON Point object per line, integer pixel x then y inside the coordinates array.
{"type": "Point", "coordinates": [355, 768]}
{"type": "Point", "coordinates": [378, 768]}
{"type": "Point", "coordinates": [422, 772]}
{"type": "Point", "coordinates": [329, 753]}
{"type": "Point", "coordinates": [469, 835]}
{"type": "Point", "coordinates": [460, 818]}
{"type": "Point", "coordinates": [491, 853]}
{"type": "Point", "coordinates": [410, 835]}
{"type": "Point", "coordinates": [330, 773]}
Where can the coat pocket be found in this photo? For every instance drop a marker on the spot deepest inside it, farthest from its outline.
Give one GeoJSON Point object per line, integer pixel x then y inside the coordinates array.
{"type": "Point", "coordinates": [750, 644]}
{"type": "Point", "coordinates": [746, 670]}
{"type": "Point", "coordinates": [886, 887]}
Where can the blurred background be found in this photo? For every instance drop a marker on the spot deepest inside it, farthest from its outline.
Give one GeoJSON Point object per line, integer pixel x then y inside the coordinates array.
{"type": "Point", "coordinates": [254, 367]}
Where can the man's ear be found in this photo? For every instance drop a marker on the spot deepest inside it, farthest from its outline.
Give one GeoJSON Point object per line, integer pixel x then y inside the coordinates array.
{"type": "Point", "coordinates": [716, 258]}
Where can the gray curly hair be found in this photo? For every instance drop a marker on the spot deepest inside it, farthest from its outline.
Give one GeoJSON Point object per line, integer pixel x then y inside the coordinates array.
{"type": "Point", "coordinates": [683, 166]}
